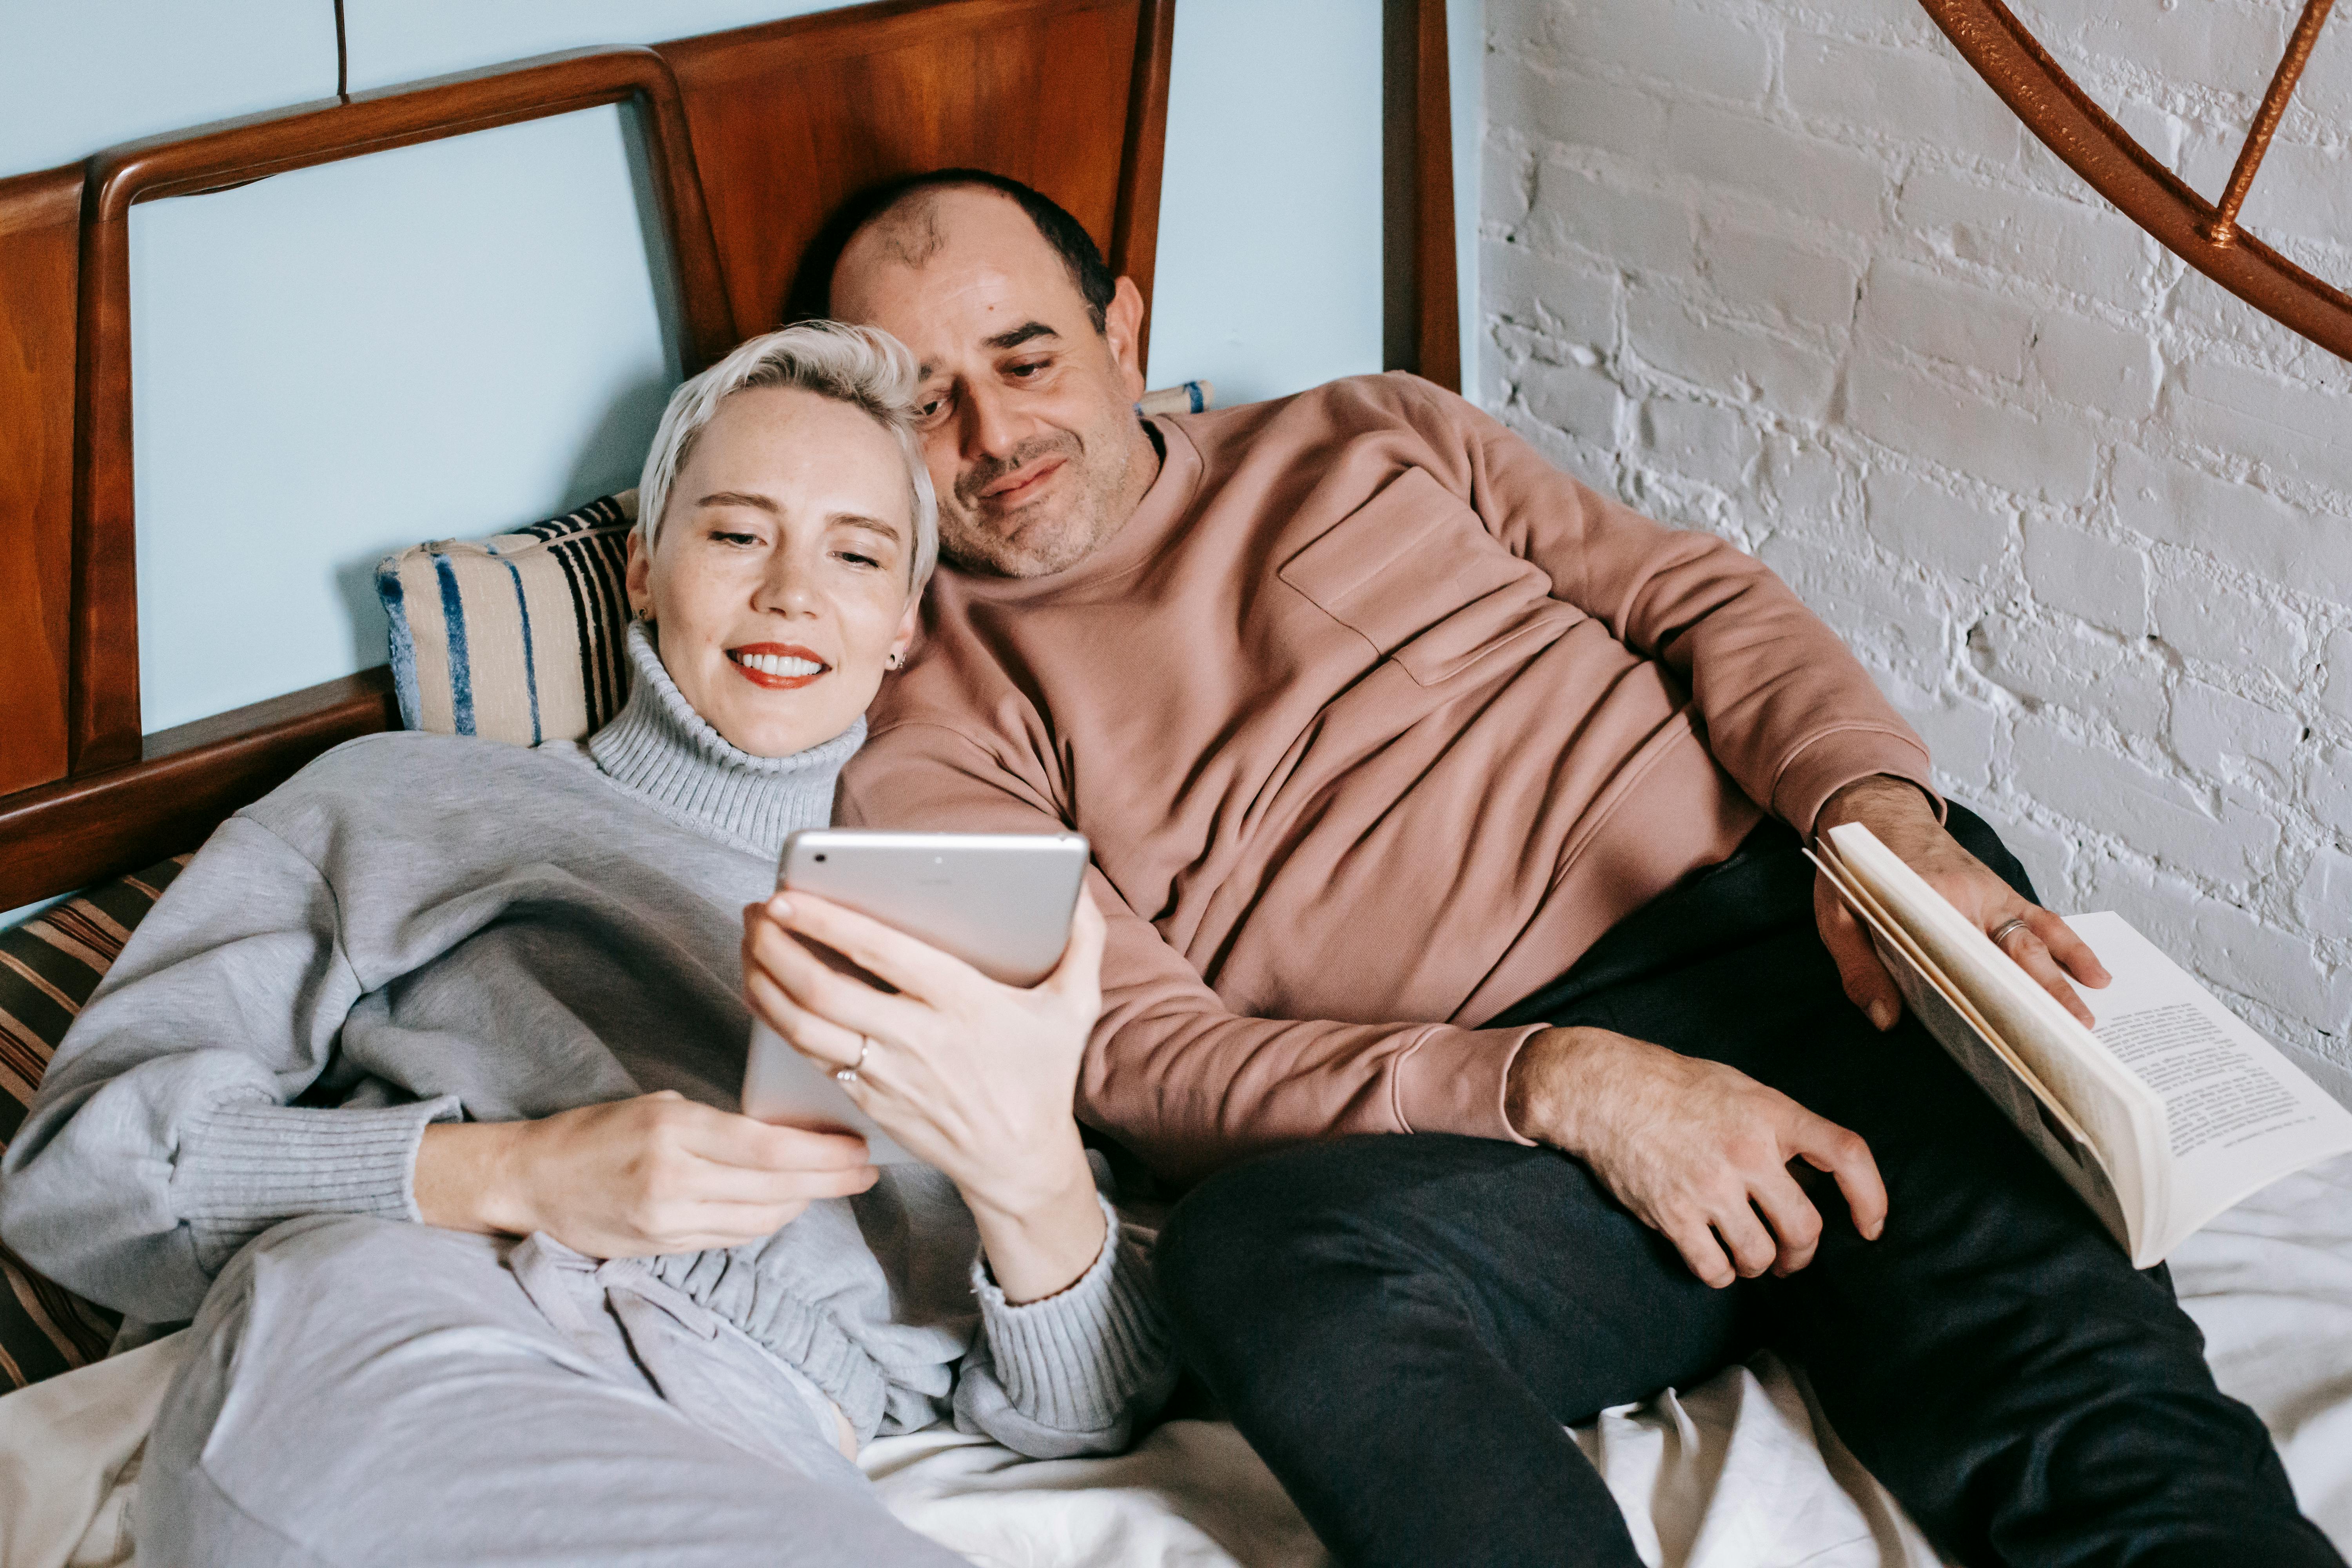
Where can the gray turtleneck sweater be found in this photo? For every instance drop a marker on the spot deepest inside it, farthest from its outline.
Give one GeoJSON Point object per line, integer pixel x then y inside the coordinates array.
{"type": "Point", "coordinates": [423, 927]}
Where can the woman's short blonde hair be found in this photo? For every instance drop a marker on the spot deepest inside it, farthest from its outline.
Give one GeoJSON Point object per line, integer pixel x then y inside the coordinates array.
{"type": "Point", "coordinates": [862, 366]}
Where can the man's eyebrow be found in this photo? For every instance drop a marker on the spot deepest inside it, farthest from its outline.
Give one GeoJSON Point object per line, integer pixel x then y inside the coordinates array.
{"type": "Point", "coordinates": [1021, 334]}
{"type": "Point", "coordinates": [741, 498]}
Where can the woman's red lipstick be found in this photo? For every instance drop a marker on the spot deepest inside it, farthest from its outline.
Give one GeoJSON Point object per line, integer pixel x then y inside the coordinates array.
{"type": "Point", "coordinates": [776, 680]}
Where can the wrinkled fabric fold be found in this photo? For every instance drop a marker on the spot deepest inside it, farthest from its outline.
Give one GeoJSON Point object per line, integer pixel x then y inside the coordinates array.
{"type": "Point", "coordinates": [618, 1313]}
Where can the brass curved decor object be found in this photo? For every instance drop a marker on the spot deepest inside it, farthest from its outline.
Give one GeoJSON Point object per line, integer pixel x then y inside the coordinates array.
{"type": "Point", "coordinates": [2204, 233]}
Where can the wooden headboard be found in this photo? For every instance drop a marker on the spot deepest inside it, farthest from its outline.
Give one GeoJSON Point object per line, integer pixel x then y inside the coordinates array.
{"type": "Point", "coordinates": [753, 135]}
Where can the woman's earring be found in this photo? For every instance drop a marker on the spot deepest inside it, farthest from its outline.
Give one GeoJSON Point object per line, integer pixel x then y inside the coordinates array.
{"type": "Point", "coordinates": [645, 617]}
{"type": "Point", "coordinates": [895, 661]}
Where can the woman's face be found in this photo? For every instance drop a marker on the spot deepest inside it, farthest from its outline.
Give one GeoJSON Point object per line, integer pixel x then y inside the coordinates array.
{"type": "Point", "coordinates": [779, 587]}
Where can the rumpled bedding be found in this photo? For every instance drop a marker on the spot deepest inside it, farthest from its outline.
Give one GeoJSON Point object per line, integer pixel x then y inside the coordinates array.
{"type": "Point", "coordinates": [1738, 1472]}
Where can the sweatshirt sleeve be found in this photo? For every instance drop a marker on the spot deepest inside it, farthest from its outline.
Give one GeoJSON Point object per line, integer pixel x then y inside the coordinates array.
{"type": "Point", "coordinates": [1077, 1372]}
{"type": "Point", "coordinates": [1788, 709]}
{"type": "Point", "coordinates": [1174, 1074]}
{"type": "Point", "coordinates": [163, 1136]}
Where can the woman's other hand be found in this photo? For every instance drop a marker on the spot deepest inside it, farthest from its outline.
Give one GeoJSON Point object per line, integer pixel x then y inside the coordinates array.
{"type": "Point", "coordinates": [633, 1177]}
{"type": "Point", "coordinates": [975, 1077]}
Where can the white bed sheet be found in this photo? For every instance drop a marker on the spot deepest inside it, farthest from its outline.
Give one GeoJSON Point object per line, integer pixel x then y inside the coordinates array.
{"type": "Point", "coordinates": [1740, 1472]}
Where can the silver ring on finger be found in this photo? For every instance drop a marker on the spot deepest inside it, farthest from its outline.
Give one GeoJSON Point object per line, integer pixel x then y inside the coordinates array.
{"type": "Point", "coordinates": [2000, 933]}
{"type": "Point", "coordinates": [848, 1077]}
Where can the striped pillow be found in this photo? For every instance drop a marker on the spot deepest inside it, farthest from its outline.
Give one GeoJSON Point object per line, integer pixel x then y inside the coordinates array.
{"type": "Point", "coordinates": [518, 636]}
{"type": "Point", "coordinates": [49, 967]}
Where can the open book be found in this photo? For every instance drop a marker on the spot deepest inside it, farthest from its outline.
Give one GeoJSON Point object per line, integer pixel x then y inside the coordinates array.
{"type": "Point", "coordinates": [2166, 1113]}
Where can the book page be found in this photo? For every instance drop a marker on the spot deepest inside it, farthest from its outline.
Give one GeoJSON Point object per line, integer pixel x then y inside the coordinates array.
{"type": "Point", "coordinates": [2238, 1114]}
{"type": "Point", "coordinates": [1899, 951]}
{"type": "Point", "coordinates": [2123, 1118]}
{"type": "Point", "coordinates": [1969, 1041]}
{"type": "Point", "coordinates": [2047, 1126]}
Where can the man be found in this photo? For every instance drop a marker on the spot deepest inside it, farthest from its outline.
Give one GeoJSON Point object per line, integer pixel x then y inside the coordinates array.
{"type": "Point", "coordinates": [1431, 792]}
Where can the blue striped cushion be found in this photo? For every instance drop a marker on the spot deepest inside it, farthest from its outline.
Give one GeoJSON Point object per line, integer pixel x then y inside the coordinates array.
{"type": "Point", "coordinates": [515, 637]}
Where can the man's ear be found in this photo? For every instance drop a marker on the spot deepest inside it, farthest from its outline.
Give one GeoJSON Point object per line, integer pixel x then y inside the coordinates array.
{"type": "Point", "coordinates": [639, 579]}
{"type": "Point", "coordinates": [1123, 327]}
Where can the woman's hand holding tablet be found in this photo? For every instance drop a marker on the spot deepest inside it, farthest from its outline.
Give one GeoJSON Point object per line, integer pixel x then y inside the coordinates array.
{"type": "Point", "coordinates": [966, 1073]}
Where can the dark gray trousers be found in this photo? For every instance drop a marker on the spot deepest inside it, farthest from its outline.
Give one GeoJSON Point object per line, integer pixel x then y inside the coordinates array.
{"type": "Point", "coordinates": [1402, 1325]}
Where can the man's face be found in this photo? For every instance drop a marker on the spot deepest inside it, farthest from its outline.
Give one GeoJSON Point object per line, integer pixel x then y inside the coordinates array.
{"type": "Point", "coordinates": [1029, 424]}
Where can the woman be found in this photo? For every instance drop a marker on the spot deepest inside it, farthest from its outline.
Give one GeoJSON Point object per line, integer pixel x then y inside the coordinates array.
{"type": "Point", "coordinates": [501, 993]}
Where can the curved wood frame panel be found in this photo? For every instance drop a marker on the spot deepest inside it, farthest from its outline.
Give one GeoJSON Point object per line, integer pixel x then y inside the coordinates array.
{"type": "Point", "coordinates": [791, 117]}
{"type": "Point", "coordinates": [2205, 235]}
{"type": "Point", "coordinates": [40, 241]}
{"type": "Point", "coordinates": [102, 714]}
{"type": "Point", "coordinates": [72, 833]}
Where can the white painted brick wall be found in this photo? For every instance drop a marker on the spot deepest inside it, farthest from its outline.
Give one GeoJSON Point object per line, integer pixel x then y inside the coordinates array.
{"type": "Point", "coordinates": [1795, 275]}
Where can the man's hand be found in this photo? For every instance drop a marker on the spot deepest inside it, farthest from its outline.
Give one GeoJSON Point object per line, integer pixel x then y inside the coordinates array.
{"type": "Point", "coordinates": [1699, 1152]}
{"type": "Point", "coordinates": [634, 1177]}
{"type": "Point", "coordinates": [1903, 820]}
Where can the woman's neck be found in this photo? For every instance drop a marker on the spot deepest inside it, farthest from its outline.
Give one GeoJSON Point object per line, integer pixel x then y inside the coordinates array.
{"type": "Point", "coordinates": [660, 748]}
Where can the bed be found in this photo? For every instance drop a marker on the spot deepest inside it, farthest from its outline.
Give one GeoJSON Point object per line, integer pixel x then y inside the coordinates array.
{"type": "Point", "coordinates": [1740, 1472]}
{"type": "Point", "coordinates": [751, 137]}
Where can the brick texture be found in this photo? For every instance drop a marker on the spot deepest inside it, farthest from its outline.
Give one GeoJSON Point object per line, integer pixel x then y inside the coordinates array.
{"type": "Point", "coordinates": [1797, 278]}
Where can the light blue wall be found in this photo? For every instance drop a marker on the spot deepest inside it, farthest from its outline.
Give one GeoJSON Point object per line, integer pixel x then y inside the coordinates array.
{"type": "Point", "coordinates": [463, 336]}
{"type": "Point", "coordinates": [1270, 269]}
{"type": "Point", "coordinates": [78, 75]}
{"type": "Point", "coordinates": [395, 41]}
{"type": "Point", "coordinates": [459, 337]}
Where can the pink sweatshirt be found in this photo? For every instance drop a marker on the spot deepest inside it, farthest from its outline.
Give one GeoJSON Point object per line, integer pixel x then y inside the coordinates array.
{"type": "Point", "coordinates": [1375, 722]}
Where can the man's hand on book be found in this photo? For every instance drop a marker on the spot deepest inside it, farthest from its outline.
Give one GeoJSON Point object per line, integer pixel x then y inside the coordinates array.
{"type": "Point", "coordinates": [1699, 1151]}
{"type": "Point", "coordinates": [1903, 820]}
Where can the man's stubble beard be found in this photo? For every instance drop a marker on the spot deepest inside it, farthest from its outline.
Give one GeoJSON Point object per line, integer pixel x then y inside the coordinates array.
{"type": "Point", "coordinates": [1051, 545]}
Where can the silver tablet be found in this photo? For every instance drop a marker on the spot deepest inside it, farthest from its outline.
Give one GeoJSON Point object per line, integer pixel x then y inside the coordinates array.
{"type": "Point", "coordinates": [1000, 901]}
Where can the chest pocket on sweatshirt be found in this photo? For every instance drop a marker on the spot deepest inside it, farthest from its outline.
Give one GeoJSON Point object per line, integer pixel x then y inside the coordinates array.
{"type": "Point", "coordinates": [1417, 575]}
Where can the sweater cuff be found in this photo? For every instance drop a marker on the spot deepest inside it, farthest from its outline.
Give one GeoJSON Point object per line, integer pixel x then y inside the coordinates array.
{"type": "Point", "coordinates": [1452, 1080]}
{"type": "Point", "coordinates": [1836, 758]}
{"type": "Point", "coordinates": [244, 1165]}
{"type": "Point", "coordinates": [1076, 1360]}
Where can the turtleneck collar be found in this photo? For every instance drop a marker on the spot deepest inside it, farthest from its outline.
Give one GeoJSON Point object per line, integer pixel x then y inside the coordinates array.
{"type": "Point", "coordinates": [661, 749]}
